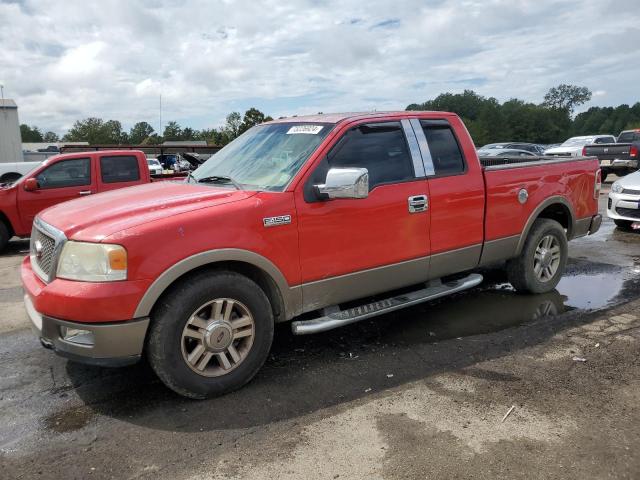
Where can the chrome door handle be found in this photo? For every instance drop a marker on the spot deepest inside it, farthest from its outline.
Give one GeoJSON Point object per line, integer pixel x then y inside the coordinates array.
{"type": "Point", "coordinates": [418, 203]}
{"type": "Point", "coordinates": [85, 192]}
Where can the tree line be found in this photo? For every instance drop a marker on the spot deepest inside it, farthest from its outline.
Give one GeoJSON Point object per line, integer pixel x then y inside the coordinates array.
{"type": "Point", "coordinates": [551, 121]}
{"type": "Point", "coordinates": [98, 131]}
{"type": "Point", "coordinates": [488, 121]}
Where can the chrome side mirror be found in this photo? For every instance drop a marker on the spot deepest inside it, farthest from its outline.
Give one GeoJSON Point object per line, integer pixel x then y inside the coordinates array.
{"type": "Point", "coordinates": [346, 183]}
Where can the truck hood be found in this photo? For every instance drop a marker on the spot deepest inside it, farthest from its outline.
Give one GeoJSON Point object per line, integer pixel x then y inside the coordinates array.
{"type": "Point", "coordinates": [577, 151]}
{"type": "Point", "coordinates": [95, 217]}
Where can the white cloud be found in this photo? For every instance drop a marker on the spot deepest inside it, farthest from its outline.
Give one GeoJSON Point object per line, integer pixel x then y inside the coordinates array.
{"type": "Point", "coordinates": [71, 59]}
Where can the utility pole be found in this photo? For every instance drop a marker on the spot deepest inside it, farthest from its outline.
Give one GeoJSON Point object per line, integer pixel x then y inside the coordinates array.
{"type": "Point", "coordinates": [160, 131]}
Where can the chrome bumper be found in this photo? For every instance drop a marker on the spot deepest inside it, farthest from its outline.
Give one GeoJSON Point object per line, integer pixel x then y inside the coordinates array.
{"type": "Point", "coordinates": [618, 163]}
{"type": "Point", "coordinates": [103, 344]}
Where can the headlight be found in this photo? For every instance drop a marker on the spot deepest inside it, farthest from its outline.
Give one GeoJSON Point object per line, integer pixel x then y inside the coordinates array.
{"type": "Point", "coordinates": [92, 262]}
{"type": "Point", "coordinates": [616, 187]}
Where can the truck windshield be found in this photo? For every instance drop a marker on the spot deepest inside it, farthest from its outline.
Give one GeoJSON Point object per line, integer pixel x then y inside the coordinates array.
{"type": "Point", "coordinates": [266, 157]}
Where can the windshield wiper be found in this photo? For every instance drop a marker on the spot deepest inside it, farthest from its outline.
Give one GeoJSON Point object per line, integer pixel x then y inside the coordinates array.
{"type": "Point", "coordinates": [220, 179]}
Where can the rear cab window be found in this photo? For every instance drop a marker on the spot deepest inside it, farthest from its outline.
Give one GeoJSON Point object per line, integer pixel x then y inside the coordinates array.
{"type": "Point", "coordinates": [444, 148]}
{"type": "Point", "coordinates": [629, 137]}
{"type": "Point", "coordinates": [119, 169]}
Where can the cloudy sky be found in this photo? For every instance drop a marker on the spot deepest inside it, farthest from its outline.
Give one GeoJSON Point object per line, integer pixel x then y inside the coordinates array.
{"type": "Point", "coordinates": [70, 59]}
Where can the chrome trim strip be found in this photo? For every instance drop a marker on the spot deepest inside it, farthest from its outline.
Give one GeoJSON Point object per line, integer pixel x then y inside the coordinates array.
{"type": "Point", "coordinates": [333, 320]}
{"type": "Point", "coordinates": [427, 160]}
{"type": "Point", "coordinates": [59, 240]}
{"type": "Point", "coordinates": [416, 157]}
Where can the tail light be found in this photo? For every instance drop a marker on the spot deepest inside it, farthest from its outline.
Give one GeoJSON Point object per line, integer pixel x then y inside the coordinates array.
{"type": "Point", "coordinates": [597, 184]}
{"type": "Point", "coordinates": [584, 151]}
{"type": "Point", "coordinates": [633, 151]}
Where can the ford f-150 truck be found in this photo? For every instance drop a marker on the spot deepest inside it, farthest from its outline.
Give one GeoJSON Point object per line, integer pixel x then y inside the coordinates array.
{"type": "Point", "coordinates": [325, 220]}
{"type": "Point", "coordinates": [620, 157]}
{"type": "Point", "coordinates": [65, 177]}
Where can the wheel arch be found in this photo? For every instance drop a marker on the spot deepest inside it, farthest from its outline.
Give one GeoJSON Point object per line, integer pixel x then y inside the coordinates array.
{"type": "Point", "coordinates": [555, 208]}
{"type": "Point", "coordinates": [285, 301]}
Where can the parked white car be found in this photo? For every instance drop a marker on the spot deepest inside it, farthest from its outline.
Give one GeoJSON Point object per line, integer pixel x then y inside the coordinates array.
{"type": "Point", "coordinates": [155, 167]}
{"type": "Point", "coordinates": [624, 201]}
{"type": "Point", "coordinates": [12, 171]}
{"type": "Point", "coordinates": [573, 146]}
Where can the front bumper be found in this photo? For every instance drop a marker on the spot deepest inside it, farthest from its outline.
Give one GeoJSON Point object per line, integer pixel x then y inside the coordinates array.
{"type": "Point", "coordinates": [104, 344]}
{"type": "Point", "coordinates": [622, 206]}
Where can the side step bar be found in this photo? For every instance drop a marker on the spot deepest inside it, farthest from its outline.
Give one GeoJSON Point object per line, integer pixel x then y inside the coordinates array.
{"type": "Point", "coordinates": [355, 314]}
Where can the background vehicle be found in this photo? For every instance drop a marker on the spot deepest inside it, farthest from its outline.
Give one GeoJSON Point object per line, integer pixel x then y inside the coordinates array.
{"type": "Point", "coordinates": [504, 152]}
{"type": "Point", "coordinates": [10, 172]}
{"type": "Point", "coordinates": [329, 212]}
{"type": "Point", "coordinates": [620, 157]}
{"type": "Point", "coordinates": [529, 147]}
{"type": "Point", "coordinates": [623, 205]}
{"type": "Point", "coordinates": [65, 177]}
{"type": "Point", "coordinates": [573, 146]}
{"type": "Point", "coordinates": [155, 167]}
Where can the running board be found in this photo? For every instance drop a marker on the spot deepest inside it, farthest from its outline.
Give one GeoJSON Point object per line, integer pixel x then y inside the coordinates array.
{"type": "Point", "coordinates": [355, 314]}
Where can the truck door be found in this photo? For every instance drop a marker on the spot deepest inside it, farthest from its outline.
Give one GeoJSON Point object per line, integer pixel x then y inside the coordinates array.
{"type": "Point", "coordinates": [456, 202]}
{"type": "Point", "coordinates": [118, 171]}
{"type": "Point", "coordinates": [61, 181]}
{"type": "Point", "coordinates": [350, 247]}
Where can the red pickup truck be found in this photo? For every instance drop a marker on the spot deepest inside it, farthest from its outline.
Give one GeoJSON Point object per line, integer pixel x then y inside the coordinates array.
{"type": "Point", "coordinates": [308, 215]}
{"type": "Point", "coordinates": [65, 177]}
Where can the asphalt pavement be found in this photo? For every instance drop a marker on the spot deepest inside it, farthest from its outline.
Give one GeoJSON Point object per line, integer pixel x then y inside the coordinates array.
{"type": "Point", "coordinates": [483, 384]}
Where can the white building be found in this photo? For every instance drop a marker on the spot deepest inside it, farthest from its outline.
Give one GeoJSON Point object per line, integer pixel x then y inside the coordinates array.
{"type": "Point", "coordinates": [10, 140]}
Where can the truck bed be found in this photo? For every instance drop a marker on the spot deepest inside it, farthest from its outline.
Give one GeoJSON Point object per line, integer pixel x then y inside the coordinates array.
{"type": "Point", "coordinates": [542, 178]}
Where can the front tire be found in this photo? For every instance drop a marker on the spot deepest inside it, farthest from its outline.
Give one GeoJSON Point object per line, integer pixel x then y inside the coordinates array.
{"type": "Point", "coordinates": [542, 261]}
{"type": "Point", "coordinates": [211, 334]}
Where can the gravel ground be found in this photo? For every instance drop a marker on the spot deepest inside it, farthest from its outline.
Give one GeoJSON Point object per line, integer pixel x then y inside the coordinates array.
{"type": "Point", "coordinates": [421, 393]}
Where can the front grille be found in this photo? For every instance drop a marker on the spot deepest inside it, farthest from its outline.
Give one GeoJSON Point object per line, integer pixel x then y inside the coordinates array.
{"type": "Point", "coordinates": [47, 245]}
{"type": "Point", "coordinates": [630, 192]}
{"type": "Point", "coordinates": [628, 212]}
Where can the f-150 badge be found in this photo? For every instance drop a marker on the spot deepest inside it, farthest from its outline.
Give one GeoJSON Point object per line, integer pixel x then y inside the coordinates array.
{"type": "Point", "coordinates": [275, 221]}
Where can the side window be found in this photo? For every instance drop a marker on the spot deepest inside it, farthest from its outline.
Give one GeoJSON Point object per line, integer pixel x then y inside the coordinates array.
{"type": "Point", "coordinates": [119, 169]}
{"type": "Point", "coordinates": [381, 148]}
{"type": "Point", "coordinates": [445, 151]}
{"type": "Point", "coordinates": [67, 173]}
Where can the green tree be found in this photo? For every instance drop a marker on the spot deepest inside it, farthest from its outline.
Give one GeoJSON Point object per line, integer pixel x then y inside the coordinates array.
{"type": "Point", "coordinates": [232, 126]}
{"type": "Point", "coordinates": [188, 133]}
{"type": "Point", "coordinates": [566, 97]}
{"type": "Point", "coordinates": [173, 131]}
{"type": "Point", "coordinates": [96, 131]}
{"type": "Point", "coordinates": [51, 137]}
{"type": "Point", "coordinates": [139, 132]}
{"type": "Point", "coordinates": [252, 117]}
{"type": "Point", "coordinates": [30, 134]}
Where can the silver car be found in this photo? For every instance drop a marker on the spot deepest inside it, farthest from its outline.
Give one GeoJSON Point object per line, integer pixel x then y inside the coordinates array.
{"type": "Point", "coordinates": [624, 201]}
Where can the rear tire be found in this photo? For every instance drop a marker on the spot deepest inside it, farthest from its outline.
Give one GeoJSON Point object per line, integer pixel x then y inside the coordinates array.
{"type": "Point", "coordinates": [623, 224]}
{"type": "Point", "coordinates": [542, 261]}
{"type": "Point", "coordinates": [5, 236]}
{"type": "Point", "coordinates": [604, 174]}
{"type": "Point", "coordinates": [211, 334]}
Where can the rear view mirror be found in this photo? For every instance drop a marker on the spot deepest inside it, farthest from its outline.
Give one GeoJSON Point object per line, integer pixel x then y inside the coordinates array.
{"type": "Point", "coordinates": [30, 184]}
{"type": "Point", "coordinates": [346, 183]}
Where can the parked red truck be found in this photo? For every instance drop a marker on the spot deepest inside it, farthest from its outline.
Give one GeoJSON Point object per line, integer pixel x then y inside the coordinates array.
{"type": "Point", "coordinates": [296, 216]}
{"type": "Point", "coordinates": [65, 177]}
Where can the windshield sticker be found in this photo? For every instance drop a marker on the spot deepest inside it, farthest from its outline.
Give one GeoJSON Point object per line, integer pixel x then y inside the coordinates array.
{"type": "Point", "coordinates": [308, 129]}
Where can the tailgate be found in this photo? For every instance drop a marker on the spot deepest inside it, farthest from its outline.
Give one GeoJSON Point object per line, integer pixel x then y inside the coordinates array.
{"type": "Point", "coordinates": [609, 151]}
